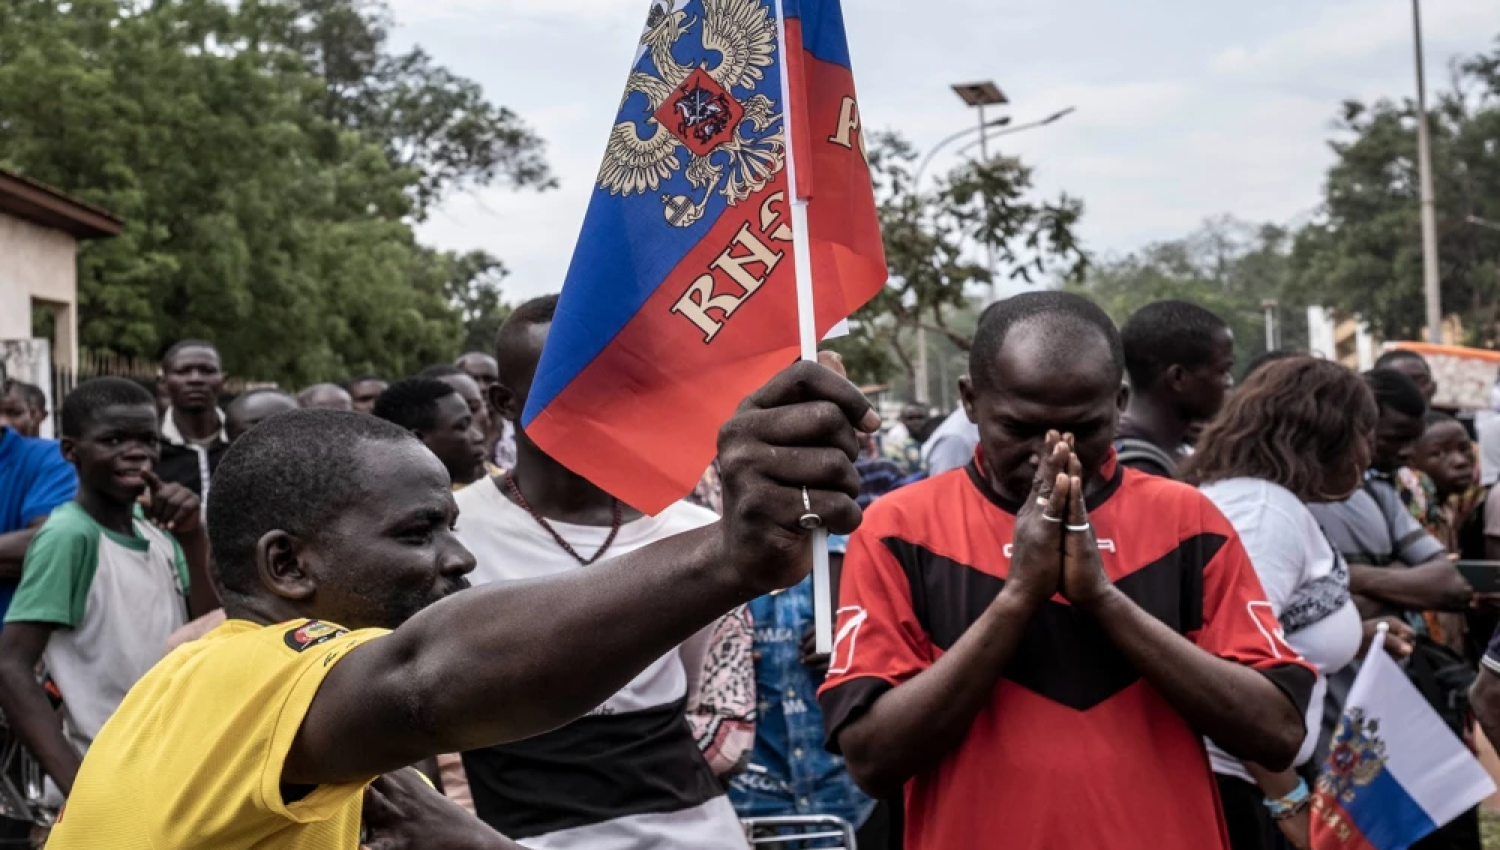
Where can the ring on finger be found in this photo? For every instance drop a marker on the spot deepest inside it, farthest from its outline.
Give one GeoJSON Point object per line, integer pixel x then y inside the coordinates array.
{"type": "Point", "coordinates": [1049, 518]}
{"type": "Point", "coordinates": [808, 520]}
{"type": "Point", "coordinates": [1079, 528]}
{"type": "Point", "coordinates": [1043, 501]}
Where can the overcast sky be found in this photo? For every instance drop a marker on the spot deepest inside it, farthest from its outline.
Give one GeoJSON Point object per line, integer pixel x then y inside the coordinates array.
{"type": "Point", "coordinates": [1186, 109]}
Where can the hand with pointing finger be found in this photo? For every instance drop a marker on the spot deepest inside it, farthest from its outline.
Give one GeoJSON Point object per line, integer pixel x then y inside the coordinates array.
{"type": "Point", "coordinates": [171, 506]}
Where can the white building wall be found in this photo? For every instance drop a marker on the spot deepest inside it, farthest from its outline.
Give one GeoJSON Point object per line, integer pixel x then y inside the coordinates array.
{"type": "Point", "coordinates": [42, 264]}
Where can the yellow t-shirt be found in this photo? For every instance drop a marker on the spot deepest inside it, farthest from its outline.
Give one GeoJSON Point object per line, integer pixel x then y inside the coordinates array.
{"type": "Point", "coordinates": [193, 757]}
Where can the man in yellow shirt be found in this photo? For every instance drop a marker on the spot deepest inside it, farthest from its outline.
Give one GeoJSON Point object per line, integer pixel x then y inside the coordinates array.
{"type": "Point", "coordinates": [349, 652]}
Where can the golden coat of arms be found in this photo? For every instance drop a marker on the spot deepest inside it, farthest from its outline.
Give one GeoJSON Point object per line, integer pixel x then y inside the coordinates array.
{"type": "Point", "coordinates": [701, 103]}
{"type": "Point", "coordinates": [1356, 756]}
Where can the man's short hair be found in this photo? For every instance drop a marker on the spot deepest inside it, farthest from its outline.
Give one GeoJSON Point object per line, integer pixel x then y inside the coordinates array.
{"type": "Point", "coordinates": [1065, 313]}
{"type": "Point", "coordinates": [1438, 417]}
{"type": "Point", "coordinates": [1166, 334]}
{"type": "Point", "coordinates": [412, 403]}
{"type": "Point", "coordinates": [1389, 359]}
{"type": "Point", "coordinates": [442, 370]}
{"type": "Point", "coordinates": [183, 345]}
{"type": "Point", "coordinates": [84, 404]}
{"type": "Point", "coordinates": [292, 473]}
{"type": "Point", "coordinates": [32, 394]}
{"type": "Point", "coordinates": [1395, 391]}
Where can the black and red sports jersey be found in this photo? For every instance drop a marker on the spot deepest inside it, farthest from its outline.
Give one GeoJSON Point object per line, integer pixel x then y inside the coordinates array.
{"type": "Point", "coordinates": [1076, 751]}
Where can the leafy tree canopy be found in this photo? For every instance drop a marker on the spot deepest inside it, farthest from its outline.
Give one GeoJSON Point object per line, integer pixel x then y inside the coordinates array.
{"type": "Point", "coordinates": [1363, 254]}
{"type": "Point", "coordinates": [268, 157]}
{"type": "Point", "coordinates": [938, 243]}
{"type": "Point", "coordinates": [1227, 266]}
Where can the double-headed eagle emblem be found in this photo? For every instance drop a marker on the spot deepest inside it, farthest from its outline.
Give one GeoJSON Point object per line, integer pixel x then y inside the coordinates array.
{"type": "Point", "coordinates": [1356, 757]}
{"type": "Point", "coordinates": [705, 111]}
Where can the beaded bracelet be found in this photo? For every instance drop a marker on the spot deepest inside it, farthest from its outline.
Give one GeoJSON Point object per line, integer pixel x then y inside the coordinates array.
{"type": "Point", "coordinates": [1292, 804]}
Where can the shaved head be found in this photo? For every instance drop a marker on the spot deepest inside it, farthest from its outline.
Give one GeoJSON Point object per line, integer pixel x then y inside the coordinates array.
{"type": "Point", "coordinates": [1043, 361]}
{"type": "Point", "coordinates": [518, 346]}
{"type": "Point", "coordinates": [253, 408]}
{"type": "Point", "coordinates": [479, 366]}
{"type": "Point", "coordinates": [1058, 320]}
{"type": "Point", "coordinates": [325, 397]}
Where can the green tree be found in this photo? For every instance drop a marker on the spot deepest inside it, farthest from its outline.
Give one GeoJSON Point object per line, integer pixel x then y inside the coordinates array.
{"type": "Point", "coordinates": [1227, 266]}
{"type": "Point", "coordinates": [423, 116]}
{"type": "Point", "coordinates": [1363, 254]}
{"type": "Point", "coordinates": [473, 284]}
{"type": "Point", "coordinates": [936, 244]}
{"type": "Point", "coordinates": [252, 218]}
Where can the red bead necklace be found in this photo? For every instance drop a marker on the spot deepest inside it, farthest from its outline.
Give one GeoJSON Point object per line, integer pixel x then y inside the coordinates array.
{"type": "Point", "coordinates": [614, 526]}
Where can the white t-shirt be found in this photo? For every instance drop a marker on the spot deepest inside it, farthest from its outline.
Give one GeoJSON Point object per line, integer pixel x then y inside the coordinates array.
{"type": "Point", "coordinates": [509, 545]}
{"type": "Point", "coordinates": [1487, 423]}
{"type": "Point", "coordinates": [951, 446]}
{"type": "Point", "coordinates": [1305, 581]}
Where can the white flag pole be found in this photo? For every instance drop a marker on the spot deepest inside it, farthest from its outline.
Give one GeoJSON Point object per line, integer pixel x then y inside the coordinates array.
{"type": "Point", "coordinates": [807, 327]}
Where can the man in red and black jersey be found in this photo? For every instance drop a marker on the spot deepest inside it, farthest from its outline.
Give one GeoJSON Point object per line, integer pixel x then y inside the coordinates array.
{"type": "Point", "coordinates": [1035, 645]}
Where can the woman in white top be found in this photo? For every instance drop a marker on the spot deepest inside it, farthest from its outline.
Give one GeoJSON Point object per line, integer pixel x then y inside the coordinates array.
{"type": "Point", "coordinates": [1299, 430]}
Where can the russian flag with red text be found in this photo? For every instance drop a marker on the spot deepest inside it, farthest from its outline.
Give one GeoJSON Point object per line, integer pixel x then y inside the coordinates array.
{"type": "Point", "coordinates": [681, 297]}
{"type": "Point", "coordinates": [1395, 772]}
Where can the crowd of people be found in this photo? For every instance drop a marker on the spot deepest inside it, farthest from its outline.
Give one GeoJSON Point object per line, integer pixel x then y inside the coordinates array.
{"type": "Point", "coordinates": [1112, 600]}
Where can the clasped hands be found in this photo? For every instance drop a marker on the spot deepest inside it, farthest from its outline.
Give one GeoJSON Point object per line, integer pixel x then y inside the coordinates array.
{"type": "Point", "coordinates": [1055, 550]}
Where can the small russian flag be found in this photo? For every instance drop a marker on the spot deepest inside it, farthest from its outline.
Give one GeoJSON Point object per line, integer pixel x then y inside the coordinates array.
{"type": "Point", "coordinates": [1395, 772]}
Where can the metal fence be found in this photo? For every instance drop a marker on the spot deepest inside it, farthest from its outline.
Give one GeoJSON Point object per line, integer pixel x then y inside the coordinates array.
{"type": "Point", "coordinates": [102, 364]}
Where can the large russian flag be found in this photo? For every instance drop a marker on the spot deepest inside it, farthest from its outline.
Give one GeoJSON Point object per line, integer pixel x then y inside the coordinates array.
{"type": "Point", "coordinates": [681, 298]}
{"type": "Point", "coordinates": [1395, 772]}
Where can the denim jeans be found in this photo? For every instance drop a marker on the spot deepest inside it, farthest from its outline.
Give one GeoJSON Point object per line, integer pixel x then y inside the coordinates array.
{"type": "Point", "coordinates": [790, 773]}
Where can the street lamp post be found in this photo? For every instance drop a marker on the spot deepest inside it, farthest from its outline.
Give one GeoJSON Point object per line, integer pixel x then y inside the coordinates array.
{"type": "Point", "coordinates": [967, 131]}
{"type": "Point", "coordinates": [1021, 128]}
{"type": "Point", "coordinates": [1430, 281]}
{"type": "Point", "coordinates": [992, 95]}
{"type": "Point", "coordinates": [979, 96]}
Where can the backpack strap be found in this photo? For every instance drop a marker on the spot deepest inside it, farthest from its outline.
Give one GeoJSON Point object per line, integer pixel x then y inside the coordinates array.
{"type": "Point", "coordinates": [1131, 450]}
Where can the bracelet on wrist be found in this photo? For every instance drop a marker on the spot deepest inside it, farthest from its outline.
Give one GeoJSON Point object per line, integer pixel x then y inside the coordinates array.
{"type": "Point", "coordinates": [1292, 804]}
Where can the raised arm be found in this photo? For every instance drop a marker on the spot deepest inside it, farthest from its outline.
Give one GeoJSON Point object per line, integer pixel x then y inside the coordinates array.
{"type": "Point", "coordinates": [509, 661]}
{"type": "Point", "coordinates": [1240, 708]}
{"type": "Point", "coordinates": [910, 728]}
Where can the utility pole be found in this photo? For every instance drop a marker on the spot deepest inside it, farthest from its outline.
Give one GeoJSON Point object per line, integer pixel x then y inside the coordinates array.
{"type": "Point", "coordinates": [1270, 305]}
{"type": "Point", "coordinates": [922, 393]}
{"type": "Point", "coordinates": [989, 246]}
{"type": "Point", "coordinates": [1430, 281]}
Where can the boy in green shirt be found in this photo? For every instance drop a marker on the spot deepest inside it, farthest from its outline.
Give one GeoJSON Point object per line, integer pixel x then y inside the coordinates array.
{"type": "Point", "coordinates": [105, 582]}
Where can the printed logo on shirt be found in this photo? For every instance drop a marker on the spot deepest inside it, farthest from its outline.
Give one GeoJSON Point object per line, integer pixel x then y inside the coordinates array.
{"type": "Point", "coordinates": [1270, 628]}
{"type": "Point", "coordinates": [849, 621]}
{"type": "Point", "coordinates": [311, 634]}
{"type": "Point", "coordinates": [776, 634]}
{"type": "Point", "coordinates": [1105, 545]}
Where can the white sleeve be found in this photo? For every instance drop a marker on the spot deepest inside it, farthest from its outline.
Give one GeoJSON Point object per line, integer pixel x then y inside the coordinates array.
{"type": "Point", "coordinates": [1280, 552]}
